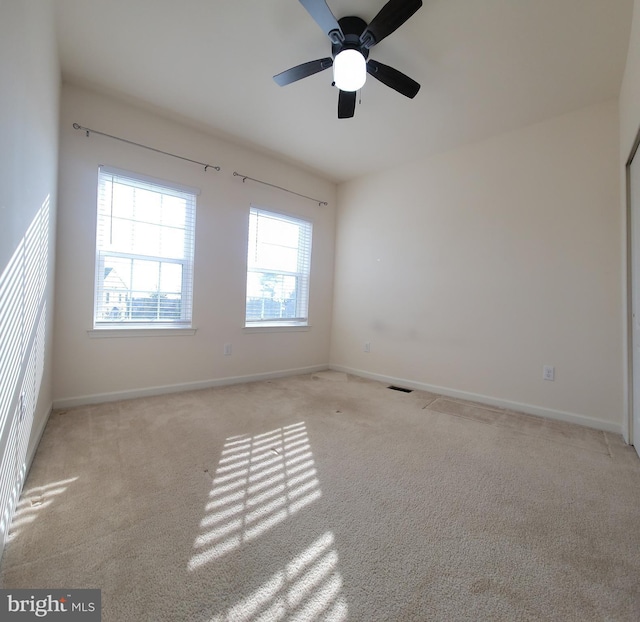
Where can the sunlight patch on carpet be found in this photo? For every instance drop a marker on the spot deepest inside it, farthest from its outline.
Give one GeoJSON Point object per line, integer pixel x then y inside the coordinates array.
{"type": "Point", "coordinates": [260, 481]}
{"type": "Point", "coordinates": [33, 501]}
{"type": "Point", "coordinates": [308, 588]}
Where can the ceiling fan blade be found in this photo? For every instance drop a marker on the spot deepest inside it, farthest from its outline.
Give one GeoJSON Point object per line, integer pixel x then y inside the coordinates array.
{"type": "Point", "coordinates": [302, 71]}
{"type": "Point", "coordinates": [393, 78]}
{"type": "Point", "coordinates": [390, 18]}
{"type": "Point", "coordinates": [346, 104]}
{"type": "Point", "coordinates": [322, 15]}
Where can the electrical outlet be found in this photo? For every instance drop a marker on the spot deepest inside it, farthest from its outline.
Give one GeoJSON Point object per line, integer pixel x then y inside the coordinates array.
{"type": "Point", "coordinates": [548, 372]}
{"type": "Point", "coordinates": [367, 347]}
{"type": "Point", "coordinates": [227, 349]}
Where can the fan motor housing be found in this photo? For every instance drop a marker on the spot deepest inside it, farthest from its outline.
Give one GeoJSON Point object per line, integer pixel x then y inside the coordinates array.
{"type": "Point", "coordinates": [352, 27]}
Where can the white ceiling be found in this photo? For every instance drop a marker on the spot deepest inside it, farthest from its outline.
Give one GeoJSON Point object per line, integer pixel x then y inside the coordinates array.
{"type": "Point", "coordinates": [485, 66]}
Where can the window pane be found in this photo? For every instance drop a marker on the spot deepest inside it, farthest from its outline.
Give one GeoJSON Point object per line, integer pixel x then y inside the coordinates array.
{"type": "Point", "coordinates": [271, 296]}
{"type": "Point", "coordinates": [146, 206]}
{"type": "Point", "coordinates": [145, 276]}
{"type": "Point", "coordinates": [272, 257]}
{"type": "Point", "coordinates": [143, 307]}
{"type": "Point", "coordinates": [173, 211]}
{"type": "Point", "coordinates": [122, 201]}
{"type": "Point", "coordinates": [169, 307]}
{"type": "Point", "coordinates": [115, 289]}
{"type": "Point", "coordinates": [274, 245]}
{"type": "Point", "coordinates": [122, 235]}
{"type": "Point", "coordinates": [170, 278]}
{"type": "Point", "coordinates": [117, 273]}
{"type": "Point", "coordinates": [144, 245]}
{"type": "Point", "coordinates": [146, 239]}
{"type": "Point", "coordinates": [277, 231]}
{"type": "Point", "coordinates": [278, 267]}
{"type": "Point", "coordinates": [171, 242]}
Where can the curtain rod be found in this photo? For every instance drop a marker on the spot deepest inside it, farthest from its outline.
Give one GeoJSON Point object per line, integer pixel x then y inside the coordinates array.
{"type": "Point", "coordinates": [266, 183]}
{"type": "Point", "coordinates": [88, 130]}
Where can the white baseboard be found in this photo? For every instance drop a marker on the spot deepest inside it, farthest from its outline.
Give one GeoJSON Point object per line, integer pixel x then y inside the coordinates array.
{"type": "Point", "coordinates": [540, 411]}
{"type": "Point", "coordinates": [99, 398]}
{"type": "Point", "coordinates": [529, 409]}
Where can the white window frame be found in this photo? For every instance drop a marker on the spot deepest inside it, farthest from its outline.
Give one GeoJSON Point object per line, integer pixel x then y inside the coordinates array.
{"type": "Point", "coordinates": [302, 274]}
{"type": "Point", "coordinates": [106, 175]}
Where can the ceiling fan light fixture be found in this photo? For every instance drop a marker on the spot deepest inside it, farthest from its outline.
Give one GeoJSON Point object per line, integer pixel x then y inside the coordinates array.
{"type": "Point", "coordinates": [349, 70]}
{"type": "Point", "coordinates": [351, 41]}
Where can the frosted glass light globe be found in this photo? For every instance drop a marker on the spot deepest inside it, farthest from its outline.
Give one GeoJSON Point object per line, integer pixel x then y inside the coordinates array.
{"type": "Point", "coordinates": [349, 70]}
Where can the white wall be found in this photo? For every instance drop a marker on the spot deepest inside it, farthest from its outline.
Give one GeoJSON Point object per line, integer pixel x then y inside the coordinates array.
{"type": "Point", "coordinates": [29, 87]}
{"type": "Point", "coordinates": [470, 270]}
{"type": "Point", "coordinates": [630, 91]}
{"type": "Point", "coordinates": [88, 369]}
{"type": "Point", "coordinates": [629, 102]}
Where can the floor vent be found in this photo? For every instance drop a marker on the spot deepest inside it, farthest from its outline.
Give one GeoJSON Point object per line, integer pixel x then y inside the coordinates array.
{"type": "Point", "coordinates": [402, 389]}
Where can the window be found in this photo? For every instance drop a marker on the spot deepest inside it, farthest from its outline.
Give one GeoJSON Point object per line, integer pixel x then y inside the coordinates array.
{"type": "Point", "coordinates": [144, 252]}
{"type": "Point", "coordinates": [278, 265]}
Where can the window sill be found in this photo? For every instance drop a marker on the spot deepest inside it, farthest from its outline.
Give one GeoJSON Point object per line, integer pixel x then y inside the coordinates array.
{"type": "Point", "coordinates": [276, 328]}
{"type": "Point", "coordinates": [108, 332]}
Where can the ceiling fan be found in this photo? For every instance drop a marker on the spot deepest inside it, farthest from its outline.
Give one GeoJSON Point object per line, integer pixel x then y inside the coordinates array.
{"type": "Point", "coordinates": [351, 39]}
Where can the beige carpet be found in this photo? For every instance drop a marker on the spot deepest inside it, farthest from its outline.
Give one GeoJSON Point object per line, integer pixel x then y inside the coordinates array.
{"type": "Point", "coordinates": [329, 497]}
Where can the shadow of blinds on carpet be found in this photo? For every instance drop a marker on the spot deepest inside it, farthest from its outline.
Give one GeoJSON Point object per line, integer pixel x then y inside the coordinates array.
{"type": "Point", "coordinates": [261, 481]}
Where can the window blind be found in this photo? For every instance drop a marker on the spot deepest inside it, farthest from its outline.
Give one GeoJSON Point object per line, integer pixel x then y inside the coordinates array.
{"type": "Point", "coordinates": [144, 251]}
{"type": "Point", "coordinates": [278, 268]}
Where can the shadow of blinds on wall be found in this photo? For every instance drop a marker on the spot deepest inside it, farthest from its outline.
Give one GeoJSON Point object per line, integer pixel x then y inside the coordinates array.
{"type": "Point", "coordinates": [23, 318]}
